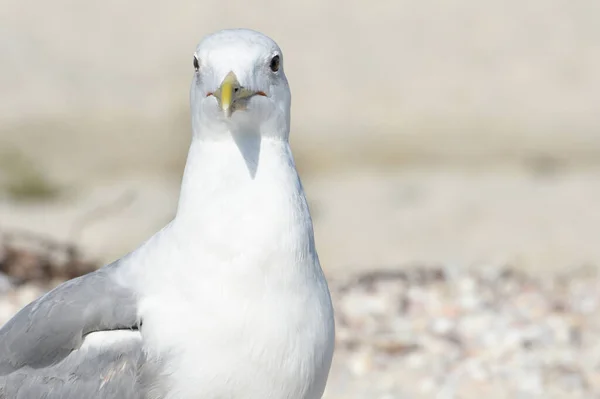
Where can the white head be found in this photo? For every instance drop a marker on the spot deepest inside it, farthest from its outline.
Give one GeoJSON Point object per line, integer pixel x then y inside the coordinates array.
{"type": "Point", "coordinates": [239, 87]}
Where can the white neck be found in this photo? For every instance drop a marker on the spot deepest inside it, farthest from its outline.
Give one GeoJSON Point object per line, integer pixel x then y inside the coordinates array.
{"type": "Point", "coordinates": [248, 191]}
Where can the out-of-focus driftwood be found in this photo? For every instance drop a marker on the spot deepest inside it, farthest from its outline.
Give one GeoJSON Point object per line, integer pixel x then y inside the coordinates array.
{"type": "Point", "coordinates": [30, 257]}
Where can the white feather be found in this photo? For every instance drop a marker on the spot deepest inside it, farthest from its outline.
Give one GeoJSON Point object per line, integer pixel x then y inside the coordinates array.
{"type": "Point", "coordinates": [232, 296]}
{"type": "Point", "coordinates": [105, 339]}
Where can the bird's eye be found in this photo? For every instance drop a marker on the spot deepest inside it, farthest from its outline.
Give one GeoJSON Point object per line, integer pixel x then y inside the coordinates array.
{"type": "Point", "coordinates": [196, 65]}
{"type": "Point", "coordinates": [274, 65]}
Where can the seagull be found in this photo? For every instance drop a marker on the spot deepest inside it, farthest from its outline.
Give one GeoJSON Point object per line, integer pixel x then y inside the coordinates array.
{"type": "Point", "coordinates": [226, 301]}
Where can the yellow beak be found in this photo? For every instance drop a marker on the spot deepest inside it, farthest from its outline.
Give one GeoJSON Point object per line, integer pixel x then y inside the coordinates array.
{"type": "Point", "coordinates": [226, 92]}
{"type": "Point", "coordinates": [230, 93]}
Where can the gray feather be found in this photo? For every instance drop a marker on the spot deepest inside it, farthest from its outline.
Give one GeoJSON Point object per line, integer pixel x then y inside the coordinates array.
{"type": "Point", "coordinates": [40, 355]}
{"type": "Point", "coordinates": [109, 373]}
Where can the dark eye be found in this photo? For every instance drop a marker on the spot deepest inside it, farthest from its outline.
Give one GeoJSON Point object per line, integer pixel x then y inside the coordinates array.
{"type": "Point", "coordinates": [274, 65]}
{"type": "Point", "coordinates": [196, 65]}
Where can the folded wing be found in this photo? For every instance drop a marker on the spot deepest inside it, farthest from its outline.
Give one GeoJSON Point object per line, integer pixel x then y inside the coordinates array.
{"type": "Point", "coordinates": [80, 340]}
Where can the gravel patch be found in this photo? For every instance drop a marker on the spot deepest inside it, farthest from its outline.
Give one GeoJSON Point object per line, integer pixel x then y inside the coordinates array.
{"type": "Point", "coordinates": [452, 333]}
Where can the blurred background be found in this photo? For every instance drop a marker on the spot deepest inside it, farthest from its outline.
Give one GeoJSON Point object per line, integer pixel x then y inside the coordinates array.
{"type": "Point", "coordinates": [460, 135]}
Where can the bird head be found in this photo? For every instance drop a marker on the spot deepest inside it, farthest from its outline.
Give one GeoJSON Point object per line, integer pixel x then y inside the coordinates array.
{"type": "Point", "coordinates": [239, 84]}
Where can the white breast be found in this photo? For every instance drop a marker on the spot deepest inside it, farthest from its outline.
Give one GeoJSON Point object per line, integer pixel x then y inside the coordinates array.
{"type": "Point", "coordinates": [235, 304]}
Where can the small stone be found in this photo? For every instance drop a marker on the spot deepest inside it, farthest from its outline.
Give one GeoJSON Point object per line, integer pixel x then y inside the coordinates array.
{"type": "Point", "coordinates": [5, 284]}
{"type": "Point", "coordinates": [427, 385]}
{"type": "Point", "coordinates": [361, 363]}
{"type": "Point", "coordinates": [442, 326]}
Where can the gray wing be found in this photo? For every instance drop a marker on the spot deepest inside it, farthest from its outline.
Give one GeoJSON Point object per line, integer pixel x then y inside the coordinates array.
{"type": "Point", "coordinates": [40, 355]}
{"type": "Point", "coordinates": [107, 373]}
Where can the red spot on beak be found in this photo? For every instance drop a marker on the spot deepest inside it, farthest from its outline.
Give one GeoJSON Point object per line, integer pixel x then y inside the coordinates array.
{"type": "Point", "coordinates": [261, 93]}
{"type": "Point", "coordinates": [210, 93]}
